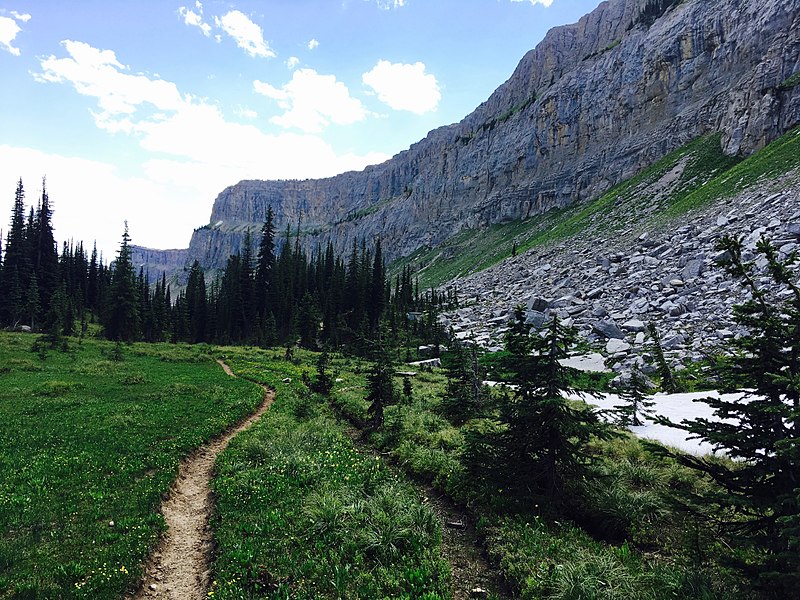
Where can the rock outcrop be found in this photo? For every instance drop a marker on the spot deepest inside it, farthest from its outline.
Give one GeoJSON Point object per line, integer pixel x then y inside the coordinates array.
{"type": "Point", "coordinates": [609, 285]}
{"type": "Point", "coordinates": [592, 104]}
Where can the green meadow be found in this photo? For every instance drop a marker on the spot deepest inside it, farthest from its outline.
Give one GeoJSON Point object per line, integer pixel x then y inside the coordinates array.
{"type": "Point", "coordinates": [90, 441]}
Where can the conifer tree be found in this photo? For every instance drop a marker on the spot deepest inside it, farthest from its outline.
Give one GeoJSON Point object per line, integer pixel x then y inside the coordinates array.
{"type": "Point", "coordinates": [379, 382]}
{"type": "Point", "coordinates": [196, 303]}
{"type": "Point", "coordinates": [635, 397]}
{"type": "Point", "coordinates": [247, 291]}
{"type": "Point", "coordinates": [121, 321]}
{"type": "Point", "coordinates": [265, 264]}
{"type": "Point", "coordinates": [465, 396]}
{"type": "Point", "coordinates": [44, 256]}
{"type": "Point", "coordinates": [539, 447]}
{"type": "Point", "coordinates": [16, 264]}
{"type": "Point", "coordinates": [761, 430]}
{"type": "Point", "coordinates": [668, 383]}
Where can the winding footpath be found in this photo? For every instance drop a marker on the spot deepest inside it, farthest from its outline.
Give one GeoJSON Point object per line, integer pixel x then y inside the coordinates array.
{"type": "Point", "coordinates": [181, 566]}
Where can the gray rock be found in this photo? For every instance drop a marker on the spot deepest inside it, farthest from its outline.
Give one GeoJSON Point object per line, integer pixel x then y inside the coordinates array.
{"type": "Point", "coordinates": [609, 329]}
{"type": "Point", "coordinates": [634, 325]}
{"type": "Point", "coordinates": [615, 346]}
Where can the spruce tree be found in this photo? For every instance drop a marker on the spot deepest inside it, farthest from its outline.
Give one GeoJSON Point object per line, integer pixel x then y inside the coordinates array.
{"type": "Point", "coordinates": [265, 264]}
{"type": "Point", "coordinates": [380, 382]}
{"type": "Point", "coordinates": [44, 251]}
{"type": "Point", "coordinates": [465, 396]}
{"type": "Point", "coordinates": [539, 447]}
{"type": "Point", "coordinates": [668, 383]}
{"type": "Point", "coordinates": [196, 303]}
{"type": "Point", "coordinates": [760, 430]}
{"type": "Point", "coordinates": [16, 263]}
{"type": "Point", "coordinates": [121, 310]}
{"type": "Point", "coordinates": [635, 400]}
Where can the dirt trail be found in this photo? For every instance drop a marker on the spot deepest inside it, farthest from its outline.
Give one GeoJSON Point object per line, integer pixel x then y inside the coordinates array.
{"type": "Point", "coordinates": [472, 575]}
{"type": "Point", "coordinates": [180, 568]}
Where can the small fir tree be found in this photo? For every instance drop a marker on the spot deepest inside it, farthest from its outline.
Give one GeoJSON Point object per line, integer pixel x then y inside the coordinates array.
{"type": "Point", "coordinates": [636, 403]}
{"type": "Point", "coordinates": [380, 383]}
{"type": "Point", "coordinates": [323, 381]}
{"type": "Point", "coordinates": [760, 430]}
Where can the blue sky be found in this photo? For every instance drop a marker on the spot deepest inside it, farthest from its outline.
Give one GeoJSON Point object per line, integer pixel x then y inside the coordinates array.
{"type": "Point", "coordinates": [145, 110]}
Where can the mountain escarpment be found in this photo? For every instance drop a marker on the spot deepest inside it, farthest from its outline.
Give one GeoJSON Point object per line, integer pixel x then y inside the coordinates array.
{"type": "Point", "coordinates": [592, 104]}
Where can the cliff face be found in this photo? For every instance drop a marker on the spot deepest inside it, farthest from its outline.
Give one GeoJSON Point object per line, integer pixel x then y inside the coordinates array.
{"type": "Point", "coordinates": [592, 104]}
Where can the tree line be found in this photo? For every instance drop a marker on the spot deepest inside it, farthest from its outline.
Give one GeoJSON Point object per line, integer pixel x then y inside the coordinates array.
{"type": "Point", "coordinates": [275, 294]}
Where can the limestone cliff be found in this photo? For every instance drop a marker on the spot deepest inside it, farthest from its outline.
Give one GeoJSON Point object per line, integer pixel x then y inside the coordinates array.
{"type": "Point", "coordinates": [593, 103]}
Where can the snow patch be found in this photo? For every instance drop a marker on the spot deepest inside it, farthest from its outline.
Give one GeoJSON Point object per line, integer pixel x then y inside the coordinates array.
{"type": "Point", "coordinates": [675, 407]}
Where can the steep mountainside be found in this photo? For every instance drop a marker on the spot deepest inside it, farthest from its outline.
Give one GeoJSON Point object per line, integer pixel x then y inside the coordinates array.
{"type": "Point", "coordinates": [591, 105]}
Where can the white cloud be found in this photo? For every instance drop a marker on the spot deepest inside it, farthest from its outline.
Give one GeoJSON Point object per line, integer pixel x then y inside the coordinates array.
{"type": "Point", "coordinates": [404, 86]}
{"type": "Point", "coordinates": [92, 199]}
{"type": "Point", "coordinates": [292, 62]}
{"type": "Point", "coordinates": [194, 151]}
{"type": "Point", "coordinates": [313, 43]}
{"type": "Point", "coordinates": [312, 101]}
{"type": "Point", "coordinates": [387, 4]}
{"type": "Point", "coordinates": [8, 31]}
{"type": "Point", "coordinates": [195, 19]}
{"type": "Point", "coordinates": [544, 3]}
{"type": "Point", "coordinates": [20, 16]}
{"type": "Point", "coordinates": [98, 74]}
{"type": "Point", "coordinates": [247, 113]}
{"type": "Point", "coordinates": [248, 35]}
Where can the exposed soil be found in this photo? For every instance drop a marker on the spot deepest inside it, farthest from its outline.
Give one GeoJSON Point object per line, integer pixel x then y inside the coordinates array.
{"type": "Point", "coordinates": [473, 576]}
{"type": "Point", "coordinates": [180, 568]}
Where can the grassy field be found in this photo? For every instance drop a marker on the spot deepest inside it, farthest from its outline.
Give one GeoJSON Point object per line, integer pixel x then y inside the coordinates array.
{"type": "Point", "coordinates": [302, 513]}
{"type": "Point", "coordinates": [88, 445]}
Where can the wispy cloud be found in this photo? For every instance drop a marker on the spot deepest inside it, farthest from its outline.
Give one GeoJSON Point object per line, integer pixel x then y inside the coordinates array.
{"type": "Point", "coordinates": [195, 19]}
{"type": "Point", "coordinates": [312, 44]}
{"type": "Point", "coordinates": [248, 35]}
{"type": "Point", "coordinates": [311, 102]}
{"type": "Point", "coordinates": [544, 3]}
{"type": "Point", "coordinates": [203, 149]}
{"type": "Point", "coordinates": [404, 86]}
{"type": "Point", "coordinates": [388, 4]}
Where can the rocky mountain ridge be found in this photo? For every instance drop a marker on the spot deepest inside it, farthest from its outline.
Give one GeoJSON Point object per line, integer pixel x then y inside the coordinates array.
{"type": "Point", "coordinates": [610, 283]}
{"type": "Point", "coordinates": [592, 104]}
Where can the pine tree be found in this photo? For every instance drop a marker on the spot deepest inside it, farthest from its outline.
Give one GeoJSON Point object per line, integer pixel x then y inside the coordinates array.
{"type": "Point", "coordinates": [265, 264]}
{"type": "Point", "coordinates": [196, 303]}
{"type": "Point", "coordinates": [323, 382]}
{"type": "Point", "coordinates": [377, 284]}
{"type": "Point", "coordinates": [44, 256]}
{"type": "Point", "coordinates": [247, 291]}
{"type": "Point", "coordinates": [635, 397]}
{"type": "Point", "coordinates": [16, 263]}
{"type": "Point", "coordinates": [307, 325]}
{"type": "Point", "coordinates": [539, 446]}
{"type": "Point", "coordinates": [121, 310]}
{"type": "Point", "coordinates": [380, 383]}
{"type": "Point", "coordinates": [668, 383]}
{"type": "Point", "coordinates": [760, 431]}
{"type": "Point", "coordinates": [465, 396]}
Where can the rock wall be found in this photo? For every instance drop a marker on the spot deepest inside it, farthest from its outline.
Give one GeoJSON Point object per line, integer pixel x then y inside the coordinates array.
{"type": "Point", "coordinates": [592, 104]}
